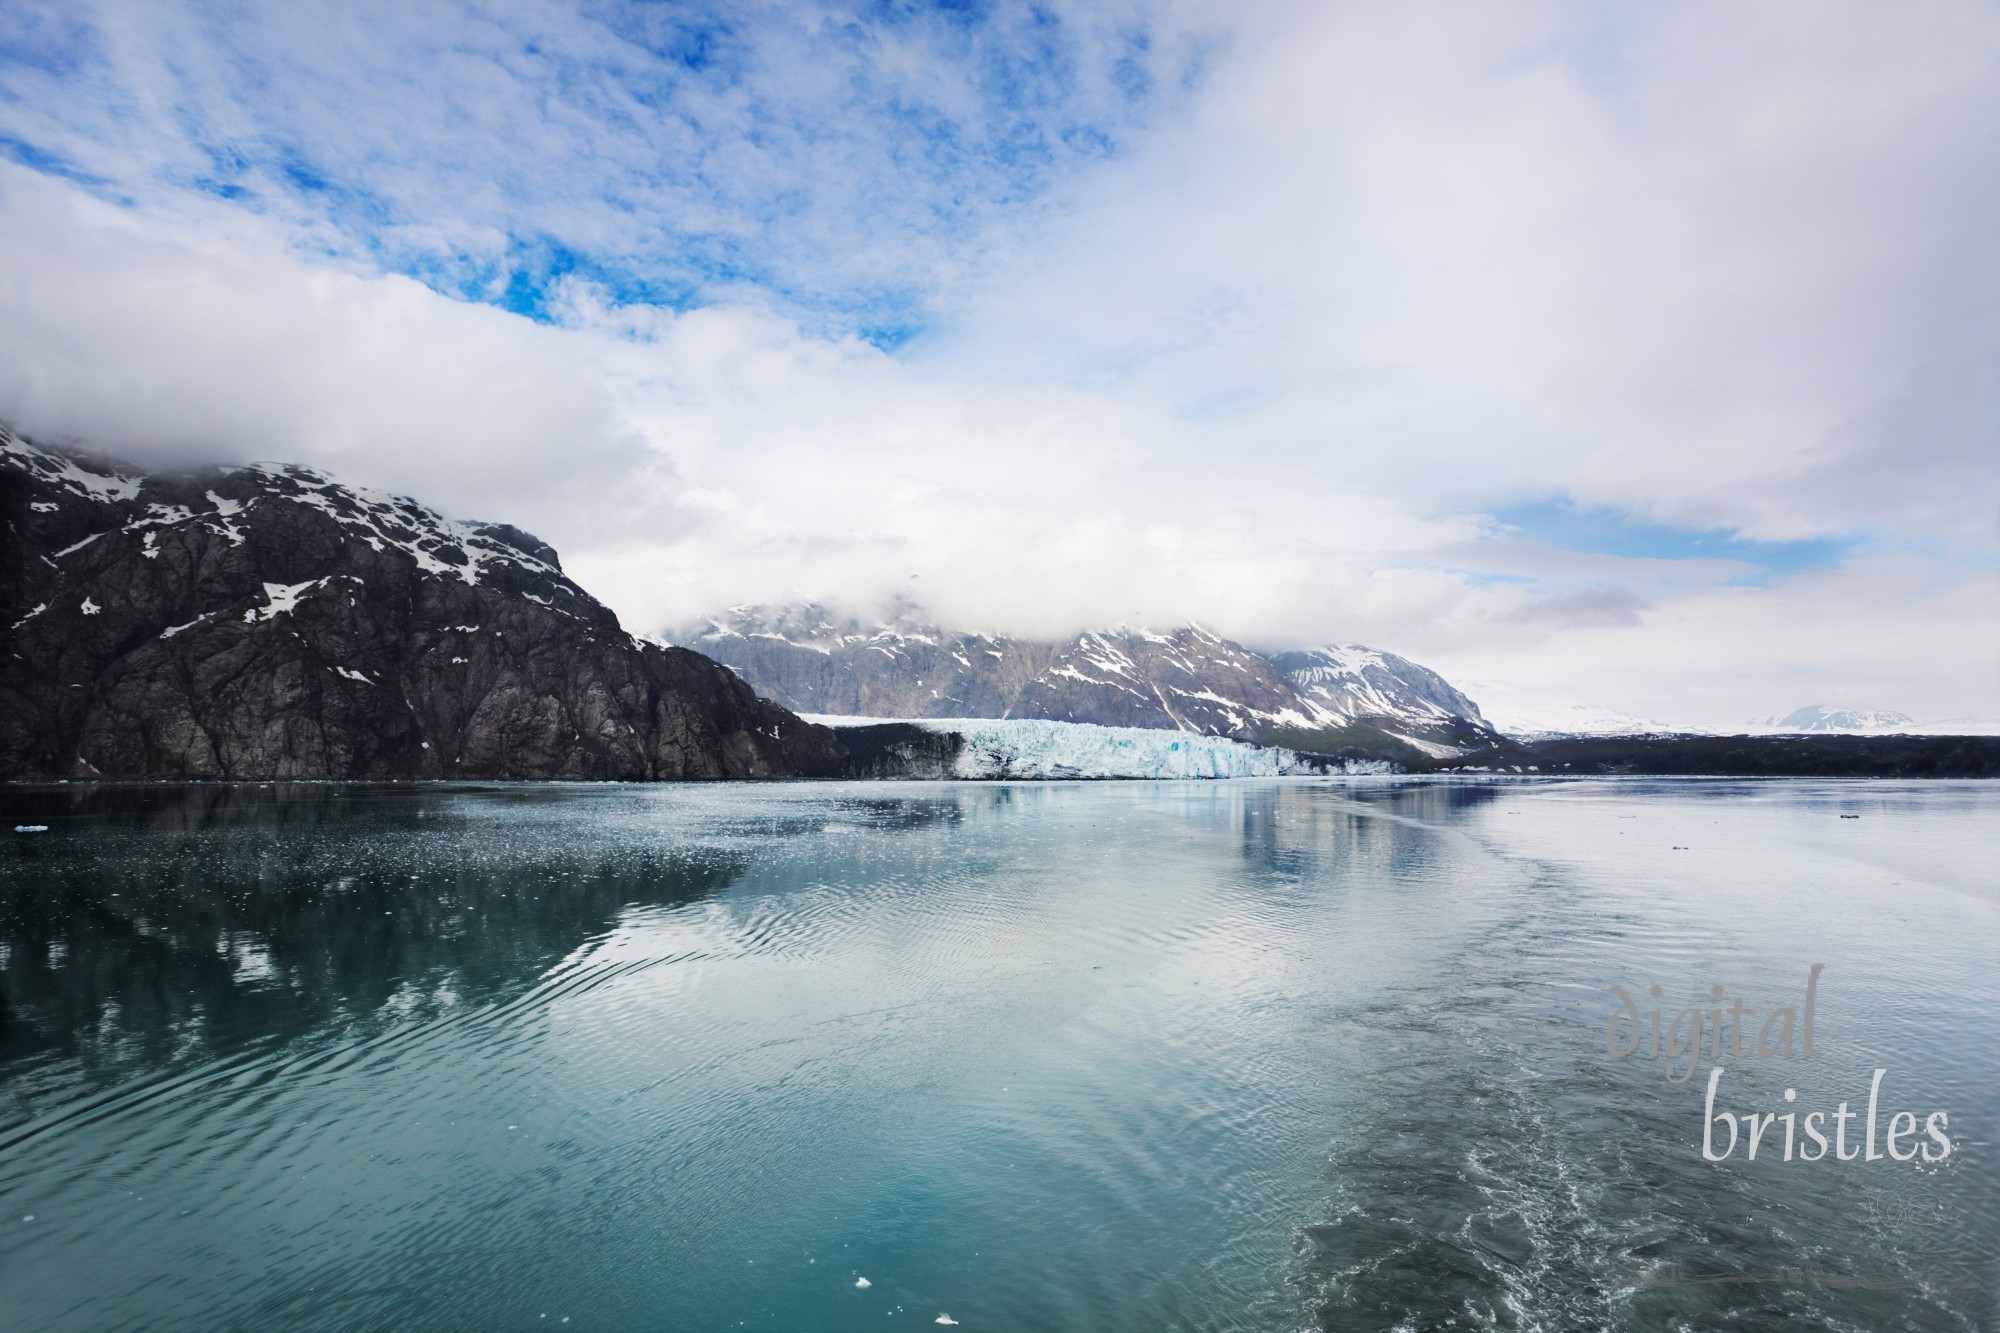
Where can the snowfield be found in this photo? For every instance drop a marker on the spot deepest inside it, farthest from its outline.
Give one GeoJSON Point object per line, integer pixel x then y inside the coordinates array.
{"type": "Point", "coordinates": [1580, 720]}
{"type": "Point", "coordinates": [1022, 748]}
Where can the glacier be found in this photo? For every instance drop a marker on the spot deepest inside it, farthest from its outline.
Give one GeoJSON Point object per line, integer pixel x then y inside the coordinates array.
{"type": "Point", "coordinates": [1035, 750]}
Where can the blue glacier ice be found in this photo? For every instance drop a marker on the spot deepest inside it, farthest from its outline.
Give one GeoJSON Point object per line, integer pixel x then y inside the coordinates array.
{"type": "Point", "coordinates": [1025, 748]}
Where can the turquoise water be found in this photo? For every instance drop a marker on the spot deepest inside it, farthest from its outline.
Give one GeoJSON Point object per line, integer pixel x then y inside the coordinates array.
{"type": "Point", "coordinates": [1277, 1055]}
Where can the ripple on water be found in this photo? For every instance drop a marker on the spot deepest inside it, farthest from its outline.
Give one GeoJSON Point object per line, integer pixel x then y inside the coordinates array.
{"type": "Point", "coordinates": [1192, 1055]}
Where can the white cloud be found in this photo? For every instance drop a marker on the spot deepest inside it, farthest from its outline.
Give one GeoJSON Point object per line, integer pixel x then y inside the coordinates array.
{"type": "Point", "coordinates": [1879, 628]}
{"type": "Point", "coordinates": [1391, 269]}
{"type": "Point", "coordinates": [1726, 267]}
{"type": "Point", "coordinates": [219, 344]}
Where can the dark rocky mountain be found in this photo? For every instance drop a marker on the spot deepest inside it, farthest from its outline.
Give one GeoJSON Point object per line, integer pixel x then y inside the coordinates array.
{"type": "Point", "coordinates": [1187, 680]}
{"type": "Point", "coordinates": [1344, 700]}
{"type": "Point", "coordinates": [901, 667]}
{"type": "Point", "coordinates": [268, 622]}
{"type": "Point", "coordinates": [1356, 682]}
{"type": "Point", "coordinates": [1348, 688]}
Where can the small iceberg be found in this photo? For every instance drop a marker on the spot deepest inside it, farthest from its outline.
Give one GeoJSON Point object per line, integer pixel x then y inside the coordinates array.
{"type": "Point", "coordinates": [862, 1284]}
{"type": "Point", "coordinates": [31, 828]}
{"type": "Point", "coordinates": [944, 1319]}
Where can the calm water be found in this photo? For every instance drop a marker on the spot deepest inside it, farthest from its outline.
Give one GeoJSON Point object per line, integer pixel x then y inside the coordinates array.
{"type": "Point", "coordinates": [1113, 1056]}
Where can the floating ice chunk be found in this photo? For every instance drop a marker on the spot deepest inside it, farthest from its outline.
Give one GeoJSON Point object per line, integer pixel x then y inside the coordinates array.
{"type": "Point", "coordinates": [862, 1284]}
{"type": "Point", "coordinates": [31, 828]}
{"type": "Point", "coordinates": [944, 1319]}
{"type": "Point", "coordinates": [248, 957]}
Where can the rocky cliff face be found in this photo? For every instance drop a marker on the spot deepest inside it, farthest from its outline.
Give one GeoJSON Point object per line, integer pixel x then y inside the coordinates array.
{"type": "Point", "coordinates": [1188, 680]}
{"type": "Point", "coordinates": [1345, 685]}
{"type": "Point", "coordinates": [818, 662]}
{"type": "Point", "coordinates": [268, 622]}
{"type": "Point", "coordinates": [1344, 700]}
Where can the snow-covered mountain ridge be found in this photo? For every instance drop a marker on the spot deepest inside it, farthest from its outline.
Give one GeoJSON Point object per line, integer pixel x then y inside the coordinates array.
{"type": "Point", "coordinates": [1335, 699]}
{"type": "Point", "coordinates": [269, 622]}
{"type": "Point", "coordinates": [1835, 717]}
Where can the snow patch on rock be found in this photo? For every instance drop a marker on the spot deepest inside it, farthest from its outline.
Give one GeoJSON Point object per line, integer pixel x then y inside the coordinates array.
{"type": "Point", "coordinates": [439, 545]}
{"type": "Point", "coordinates": [280, 599]}
{"type": "Point", "coordinates": [84, 477]}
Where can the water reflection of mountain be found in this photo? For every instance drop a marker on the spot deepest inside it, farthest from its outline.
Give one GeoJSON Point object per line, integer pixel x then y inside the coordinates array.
{"type": "Point", "coordinates": [173, 921]}
{"type": "Point", "coordinates": [1293, 830]}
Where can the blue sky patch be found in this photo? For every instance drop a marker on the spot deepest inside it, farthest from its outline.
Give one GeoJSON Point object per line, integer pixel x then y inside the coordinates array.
{"type": "Point", "coordinates": [840, 162]}
{"type": "Point", "coordinates": [46, 162]}
{"type": "Point", "coordinates": [1605, 531]}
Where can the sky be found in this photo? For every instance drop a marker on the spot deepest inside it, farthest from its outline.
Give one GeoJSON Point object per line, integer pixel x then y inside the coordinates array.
{"type": "Point", "coordinates": [1644, 356]}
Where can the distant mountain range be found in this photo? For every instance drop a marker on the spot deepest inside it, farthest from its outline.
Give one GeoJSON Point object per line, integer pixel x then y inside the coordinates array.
{"type": "Point", "coordinates": [1341, 699]}
{"type": "Point", "coordinates": [269, 622]}
{"type": "Point", "coordinates": [1828, 717]}
{"type": "Point", "coordinates": [1545, 722]}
